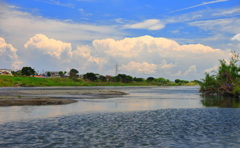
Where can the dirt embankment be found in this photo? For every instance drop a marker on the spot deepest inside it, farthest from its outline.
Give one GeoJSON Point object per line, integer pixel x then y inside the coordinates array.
{"type": "Point", "coordinates": [52, 97]}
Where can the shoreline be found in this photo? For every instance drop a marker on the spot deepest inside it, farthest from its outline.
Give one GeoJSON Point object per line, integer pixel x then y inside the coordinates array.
{"type": "Point", "coordinates": [60, 96]}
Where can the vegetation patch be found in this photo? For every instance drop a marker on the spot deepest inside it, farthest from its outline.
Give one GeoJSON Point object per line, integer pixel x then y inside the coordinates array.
{"type": "Point", "coordinates": [225, 81]}
{"type": "Point", "coordinates": [26, 81]}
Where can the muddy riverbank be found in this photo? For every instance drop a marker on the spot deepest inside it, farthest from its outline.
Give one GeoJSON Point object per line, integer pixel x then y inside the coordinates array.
{"type": "Point", "coordinates": [46, 96]}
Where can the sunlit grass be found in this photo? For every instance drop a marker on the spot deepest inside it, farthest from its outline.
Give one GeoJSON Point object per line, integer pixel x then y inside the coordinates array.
{"type": "Point", "coordinates": [11, 81]}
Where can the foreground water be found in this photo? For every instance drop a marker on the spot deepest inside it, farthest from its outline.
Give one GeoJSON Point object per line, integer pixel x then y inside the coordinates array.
{"type": "Point", "coordinates": [147, 117]}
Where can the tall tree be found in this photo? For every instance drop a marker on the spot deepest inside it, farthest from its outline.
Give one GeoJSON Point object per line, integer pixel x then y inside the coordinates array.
{"type": "Point", "coordinates": [177, 80]}
{"type": "Point", "coordinates": [74, 71]}
{"type": "Point", "coordinates": [150, 79]}
{"type": "Point", "coordinates": [27, 71]}
{"type": "Point", "coordinates": [49, 74]}
{"type": "Point", "coordinates": [90, 76]}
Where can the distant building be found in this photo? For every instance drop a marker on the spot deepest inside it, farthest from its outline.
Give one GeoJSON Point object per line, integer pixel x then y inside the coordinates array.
{"type": "Point", "coordinates": [53, 73]}
{"type": "Point", "coordinates": [5, 72]}
{"type": "Point", "coordinates": [109, 77]}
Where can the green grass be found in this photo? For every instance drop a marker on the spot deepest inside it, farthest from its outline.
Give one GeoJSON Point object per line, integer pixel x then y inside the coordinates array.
{"type": "Point", "coordinates": [11, 81]}
{"type": "Point", "coordinates": [8, 81]}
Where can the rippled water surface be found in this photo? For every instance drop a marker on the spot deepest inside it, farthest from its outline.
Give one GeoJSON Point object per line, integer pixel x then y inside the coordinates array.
{"type": "Point", "coordinates": [147, 117]}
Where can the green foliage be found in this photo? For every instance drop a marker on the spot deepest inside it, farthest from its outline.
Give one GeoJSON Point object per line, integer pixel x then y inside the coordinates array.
{"type": "Point", "coordinates": [8, 81]}
{"type": "Point", "coordinates": [177, 80]}
{"type": "Point", "coordinates": [16, 73]}
{"type": "Point", "coordinates": [162, 80]}
{"type": "Point", "coordinates": [27, 71]}
{"type": "Point", "coordinates": [181, 81]}
{"type": "Point", "coordinates": [74, 71]}
{"type": "Point", "coordinates": [226, 80]}
{"type": "Point", "coordinates": [102, 78]}
{"type": "Point", "coordinates": [236, 91]}
{"type": "Point", "coordinates": [138, 79]}
{"type": "Point", "coordinates": [61, 73]}
{"type": "Point", "coordinates": [90, 76]}
{"type": "Point", "coordinates": [150, 79]}
{"type": "Point", "coordinates": [197, 81]}
{"type": "Point", "coordinates": [49, 74]}
{"type": "Point", "coordinates": [123, 78]}
{"type": "Point", "coordinates": [209, 85]}
{"type": "Point", "coordinates": [73, 74]}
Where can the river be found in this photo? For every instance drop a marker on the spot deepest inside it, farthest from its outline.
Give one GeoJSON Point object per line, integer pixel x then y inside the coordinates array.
{"type": "Point", "coordinates": [147, 117]}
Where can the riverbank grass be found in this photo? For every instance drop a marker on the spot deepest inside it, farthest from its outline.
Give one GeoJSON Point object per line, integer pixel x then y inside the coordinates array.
{"type": "Point", "coordinates": [12, 81]}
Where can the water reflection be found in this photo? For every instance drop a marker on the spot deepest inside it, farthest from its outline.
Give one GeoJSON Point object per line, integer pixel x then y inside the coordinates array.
{"type": "Point", "coordinates": [220, 101]}
{"type": "Point", "coordinates": [147, 117]}
{"type": "Point", "coordinates": [139, 99]}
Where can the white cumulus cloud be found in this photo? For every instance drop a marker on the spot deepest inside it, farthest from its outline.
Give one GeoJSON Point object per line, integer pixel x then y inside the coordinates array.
{"type": "Point", "coordinates": [8, 56]}
{"type": "Point", "coordinates": [140, 56]}
{"type": "Point", "coordinates": [52, 47]}
{"type": "Point", "coordinates": [211, 69]}
{"type": "Point", "coordinates": [192, 70]}
{"type": "Point", "coordinates": [167, 56]}
{"type": "Point", "coordinates": [165, 65]}
{"type": "Point", "coordinates": [60, 55]}
{"type": "Point", "coordinates": [135, 67]}
{"type": "Point", "coordinates": [87, 59]}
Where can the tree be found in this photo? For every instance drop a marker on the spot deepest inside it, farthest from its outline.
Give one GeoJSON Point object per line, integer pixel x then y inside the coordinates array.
{"type": "Point", "coordinates": [49, 74]}
{"type": "Point", "coordinates": [177, 80]}
{"type": "Point", "coordinates": [162, 80]}
{"type": "Point", "coordinates": [129, 79]}
{"type": "Point", "coordinates": [27, 71]}
{"type": "Point", "coordinates": [102, 78]}
{"type": "Point", "coordinates": [90, 76]}
{"type": "Point", "coordinates": [184, 81]}
{"type": "Point", "coordinates": [150, 79]}
{"type": "Point", "coordinates": [123, 78]}
{"type": "Point", "coordinates": [61, 73]}
{"type": "Point", "coordinates": [137, 79]}
{"type": "Point", "coordinates": [74, 71]}
{"type": "Point", "coordinates": [225, 81]}
{"type": "Point", "coordinates": [16, 73]}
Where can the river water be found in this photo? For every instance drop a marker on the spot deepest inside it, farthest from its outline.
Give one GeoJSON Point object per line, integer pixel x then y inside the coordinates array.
{"type": "Point", "coordinates": [147, 117]}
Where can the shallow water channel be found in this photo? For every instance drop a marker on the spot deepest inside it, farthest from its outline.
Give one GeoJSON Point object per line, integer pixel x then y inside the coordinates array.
{"type": "Point", "coordinates": [146, 117]}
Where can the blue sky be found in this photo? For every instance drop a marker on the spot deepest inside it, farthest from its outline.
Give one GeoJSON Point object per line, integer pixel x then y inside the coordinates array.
{"type": "Point", "coordinates": [171, 39]}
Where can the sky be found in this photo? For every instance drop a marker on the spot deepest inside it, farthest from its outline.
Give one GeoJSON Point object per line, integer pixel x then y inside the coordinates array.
{"type": "Point", "coordinates": [159, 38]}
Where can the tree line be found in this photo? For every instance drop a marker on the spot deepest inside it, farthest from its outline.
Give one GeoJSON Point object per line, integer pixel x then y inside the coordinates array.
{"type": "Point", "coordinates": [90, 76]}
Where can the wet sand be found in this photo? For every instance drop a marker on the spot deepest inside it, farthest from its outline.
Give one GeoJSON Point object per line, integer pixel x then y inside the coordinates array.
{"type": "Point", "coordinates": [11, 97]}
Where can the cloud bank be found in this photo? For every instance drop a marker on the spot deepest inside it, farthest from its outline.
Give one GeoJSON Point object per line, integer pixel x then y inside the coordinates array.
{"type": "Point", "coordinates": [140, 56]}
{"type": "Point", "coordinates": [149, 55]}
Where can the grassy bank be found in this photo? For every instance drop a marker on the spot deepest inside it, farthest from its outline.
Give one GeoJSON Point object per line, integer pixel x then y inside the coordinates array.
{"type": "Point", "coordinates": [11, 81]}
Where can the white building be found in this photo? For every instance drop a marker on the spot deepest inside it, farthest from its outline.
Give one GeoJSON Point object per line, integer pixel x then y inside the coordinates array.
{"type": "Point", "coordinates": [5, 72]}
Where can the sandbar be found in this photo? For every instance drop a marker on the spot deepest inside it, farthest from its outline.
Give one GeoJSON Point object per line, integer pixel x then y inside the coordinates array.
{"type": "Point", "coordinates": [53, 96]}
